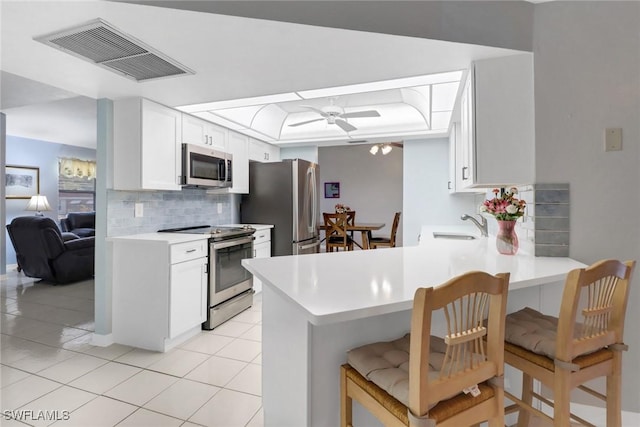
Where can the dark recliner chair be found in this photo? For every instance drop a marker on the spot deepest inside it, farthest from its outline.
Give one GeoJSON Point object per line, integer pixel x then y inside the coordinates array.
{"type": "Point", "coordinates": [82, 224]}
{"type": "Point", "coordinates": [42, 251]}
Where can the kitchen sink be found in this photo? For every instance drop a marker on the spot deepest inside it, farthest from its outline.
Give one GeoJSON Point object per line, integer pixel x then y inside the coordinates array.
{"type": "Point", "coordinates": [454, 236]}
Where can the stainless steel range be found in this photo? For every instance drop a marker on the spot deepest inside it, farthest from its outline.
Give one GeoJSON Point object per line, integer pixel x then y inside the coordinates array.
{"type": "Point", "coordinates": [230, 284]}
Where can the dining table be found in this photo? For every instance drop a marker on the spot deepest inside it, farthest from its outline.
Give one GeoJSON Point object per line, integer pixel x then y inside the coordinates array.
{"type": "Point", "coordinates": [365, 228]}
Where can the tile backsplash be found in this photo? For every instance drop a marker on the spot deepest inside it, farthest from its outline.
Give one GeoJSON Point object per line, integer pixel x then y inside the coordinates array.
{"type": "Point", "coordinates": [552, 222]}
{"type": "Point", "coordinates": [166, 209]}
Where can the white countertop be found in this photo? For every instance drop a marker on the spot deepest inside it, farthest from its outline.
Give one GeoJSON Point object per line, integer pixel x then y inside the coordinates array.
{"type": "Point", "coordinates": [169, 238]}
{"type": "Point", "coordinates": [258, 227]}
{"type": "Point", "coordinates": [333, 287]}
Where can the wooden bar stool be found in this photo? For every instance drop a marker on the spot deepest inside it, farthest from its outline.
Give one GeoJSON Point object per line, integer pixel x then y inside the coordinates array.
{"type": "Point", "coordinates": [564, 354]}
{"type": "Point", "coordinates": [421, 380]}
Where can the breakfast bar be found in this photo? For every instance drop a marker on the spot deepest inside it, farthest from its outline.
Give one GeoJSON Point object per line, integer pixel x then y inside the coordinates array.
{"type": "Point", "coordinates": [317, 307]}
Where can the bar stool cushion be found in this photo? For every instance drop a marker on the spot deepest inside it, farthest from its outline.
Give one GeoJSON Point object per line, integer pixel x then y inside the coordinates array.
{"type": "Point", "coordinates": [386, 364]}
{"type": "Point", "coordinates": [535, 331]}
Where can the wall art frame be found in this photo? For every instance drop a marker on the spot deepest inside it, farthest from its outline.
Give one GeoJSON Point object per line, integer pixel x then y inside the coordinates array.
{"type": "Point", "coordinates": [331, 190]}
{"type": "Point", "coordinates": [22, 182]}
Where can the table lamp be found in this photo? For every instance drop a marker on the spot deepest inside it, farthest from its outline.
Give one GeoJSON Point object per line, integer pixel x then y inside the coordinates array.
{"type": "Point", "coordinates": [38, 203]}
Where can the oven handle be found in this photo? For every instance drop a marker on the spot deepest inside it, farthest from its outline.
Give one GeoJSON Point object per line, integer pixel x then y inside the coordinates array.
{"type": "Point", "coordinates": [231, 242]}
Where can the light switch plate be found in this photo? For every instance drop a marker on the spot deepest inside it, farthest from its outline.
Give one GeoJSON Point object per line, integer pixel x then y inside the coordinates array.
{"type": "Point", "coordinates": [139, 210]}
{"type": "Point", "coordinates": [219, 208]}
{"type": "Point", "coordinates": [613, 139]}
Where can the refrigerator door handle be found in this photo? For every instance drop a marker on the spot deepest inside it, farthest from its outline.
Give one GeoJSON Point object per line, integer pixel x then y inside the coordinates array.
{"type": "Point", "coordinates": [309, 246]}
{"type": "Point", "coordinates": [311, 182]}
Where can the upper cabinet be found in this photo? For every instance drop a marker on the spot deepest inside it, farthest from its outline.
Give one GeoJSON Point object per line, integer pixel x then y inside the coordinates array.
{"type": "Point", "coordinates": [263, 152]}
{"type": "Point", "coordinates": [239, 146]}
{"type": "Point", "coordinates": [201, 132]}
{"type": "Point", "coordinates": [496, 141]}
{"type": "Point", "coordinates": [148, 140]}
{"type": "Point", "coordinates": [146, 145]}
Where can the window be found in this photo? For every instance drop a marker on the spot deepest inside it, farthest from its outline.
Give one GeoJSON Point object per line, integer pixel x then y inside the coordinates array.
{"type": "Point", "coordinates": [76, 186]}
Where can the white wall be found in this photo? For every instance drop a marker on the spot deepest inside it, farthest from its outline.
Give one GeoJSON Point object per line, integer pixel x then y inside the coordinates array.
{"type": "Point", "coordinates": [309, 154]}
{"type": "Point", "coordinates": [371, 185]}
{"type": "Point", "coordinates": [3, 213]}
{"type": "Point", "coordinates": [426, 197]}
{"type": "Point", "coordinates": [587, 78]}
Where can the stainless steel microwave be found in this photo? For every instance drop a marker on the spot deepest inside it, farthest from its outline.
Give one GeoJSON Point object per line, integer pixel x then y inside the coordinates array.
{"type": "Point", "coordinates": [205, 167]}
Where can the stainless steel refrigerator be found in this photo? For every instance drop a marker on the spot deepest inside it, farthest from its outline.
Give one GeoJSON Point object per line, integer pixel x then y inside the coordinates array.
{"type": "Point", "coordinates": [284, 194]}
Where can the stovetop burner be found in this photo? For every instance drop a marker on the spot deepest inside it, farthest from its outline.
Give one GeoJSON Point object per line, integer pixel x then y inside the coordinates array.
{"type": "Point", "coordinates": [215, 231]}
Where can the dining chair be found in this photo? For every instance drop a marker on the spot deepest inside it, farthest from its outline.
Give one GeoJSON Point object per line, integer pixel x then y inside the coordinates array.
{"type": "Point", "coordinates": [390, 241]}
{"type": "Point", "coordinates": [335, 225]}
{"type": "Point", "coordinates": [424, 381]}
{"type": "Point", "coordinates": [584, 342]}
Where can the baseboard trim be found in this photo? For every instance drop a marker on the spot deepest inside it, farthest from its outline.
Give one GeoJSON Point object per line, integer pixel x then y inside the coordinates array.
{"type": "Point", "coordinates": [100, 340]}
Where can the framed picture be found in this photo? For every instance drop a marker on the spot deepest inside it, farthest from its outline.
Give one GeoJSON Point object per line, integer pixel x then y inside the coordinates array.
{"type": "Point", "coordinates": [331, 190]}
{"type": "Point", "coordinates": [22, 182]}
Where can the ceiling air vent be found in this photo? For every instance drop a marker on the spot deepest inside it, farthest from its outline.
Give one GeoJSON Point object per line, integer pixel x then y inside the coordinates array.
{"type": "Point", "coordinates": [104, 45]}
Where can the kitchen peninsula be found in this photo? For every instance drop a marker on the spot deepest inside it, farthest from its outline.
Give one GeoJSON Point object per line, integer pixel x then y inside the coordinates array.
{"type": "Point", "coordinates": [316, 307]}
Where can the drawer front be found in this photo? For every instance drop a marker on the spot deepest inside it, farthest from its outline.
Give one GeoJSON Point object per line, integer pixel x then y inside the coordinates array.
{"type": "Point", "coordinates": [187, 251]}
{"type": "Point", "coordinates": [262, 236]}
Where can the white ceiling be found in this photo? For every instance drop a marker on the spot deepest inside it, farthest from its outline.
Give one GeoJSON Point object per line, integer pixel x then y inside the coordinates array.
{"type": "Point", "coordinates": [233, 58]}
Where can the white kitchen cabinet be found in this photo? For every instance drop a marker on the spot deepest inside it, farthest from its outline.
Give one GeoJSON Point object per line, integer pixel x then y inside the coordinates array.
{"type": "Point", "coordinates": [159, 290]}
{"type": "Point", "coordinates": [451, 184]}
{"type": "Point", "coordinates": [201, 132]}
{"type": "Point", "coordinates": [261, 249]}
{"type": "Point", "coordinates": [239, 147]}
{"type": "Point", "coordinates": [146, 149]}
{"type": "Point", "coordinates": [497, 124]}
{"type": "Point", "coordinates": [264, 152]}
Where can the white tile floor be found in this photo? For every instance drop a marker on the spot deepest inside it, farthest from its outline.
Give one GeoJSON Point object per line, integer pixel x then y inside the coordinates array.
{"type": "Point", "coordinates": [48, 364]}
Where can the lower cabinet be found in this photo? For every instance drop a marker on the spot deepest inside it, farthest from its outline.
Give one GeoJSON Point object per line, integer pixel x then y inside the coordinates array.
{"type": "Point", "coordinates": [157, 304]}
{"type": "Point", "coordinates": [261, 249]}
{"type": "Point", "coordinates": [188, 295]}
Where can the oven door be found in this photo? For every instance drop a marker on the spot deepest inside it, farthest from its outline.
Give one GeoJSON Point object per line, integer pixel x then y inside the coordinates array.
{"type": "Point", "coordinates": [227, 277]}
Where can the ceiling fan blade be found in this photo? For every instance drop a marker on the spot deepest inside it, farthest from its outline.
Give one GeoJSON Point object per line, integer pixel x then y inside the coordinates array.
{"type": "Point", "coordinates": [345, 126]}
{"type": "Point", "coordinates": [317, 110]}
{"type": "Point", "coordinates": [368, 113]}
{"type": "Point", "coordinates": [305, 122]}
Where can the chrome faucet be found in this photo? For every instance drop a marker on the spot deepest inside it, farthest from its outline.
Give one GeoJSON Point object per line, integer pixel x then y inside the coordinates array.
{"type": "Point", "coordinates": [482, 226]}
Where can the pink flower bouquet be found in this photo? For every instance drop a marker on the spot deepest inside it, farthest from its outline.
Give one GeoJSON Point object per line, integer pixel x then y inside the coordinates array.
{"type": "Point", "coordinates": [504, 206]}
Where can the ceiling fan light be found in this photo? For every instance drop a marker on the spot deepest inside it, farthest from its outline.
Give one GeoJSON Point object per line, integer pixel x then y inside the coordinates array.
{"type": "Point", "coordinates": [374, 150]}
{"type": "Point", "coordinates": [386, 149]}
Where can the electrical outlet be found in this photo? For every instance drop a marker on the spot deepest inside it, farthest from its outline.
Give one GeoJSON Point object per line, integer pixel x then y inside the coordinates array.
{"type": "Point", "coordinates": [138, 210]}
{"type": "Point", "coordinates": [613, 139]}
{"type": "Point", "coordinates": [219, 208]}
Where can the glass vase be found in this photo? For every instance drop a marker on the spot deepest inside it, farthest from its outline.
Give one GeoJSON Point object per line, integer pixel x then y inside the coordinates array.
{"type": "Point", "coordinates": [507, 239]}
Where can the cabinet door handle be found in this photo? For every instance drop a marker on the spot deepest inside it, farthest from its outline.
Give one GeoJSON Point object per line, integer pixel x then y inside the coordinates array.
{"type": "Point", "coordinates": [190, 250]}
{"type": "Point", "coordinates": [206, 138]}
{"type": "Point", "coordinates": [464, 175]}
{"type": "Point", "coordinates": [210, 140]}
{"type": "Point", "coordinates": [449, 185]}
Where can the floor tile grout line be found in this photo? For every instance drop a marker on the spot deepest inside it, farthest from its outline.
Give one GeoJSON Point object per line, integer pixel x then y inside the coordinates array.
{"type": "Point", "coordinates": [26, 341]}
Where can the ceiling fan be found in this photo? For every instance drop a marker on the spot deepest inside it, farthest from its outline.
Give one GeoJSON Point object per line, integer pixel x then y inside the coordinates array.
{"type": "Point", "coordinates": [335, 114]}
